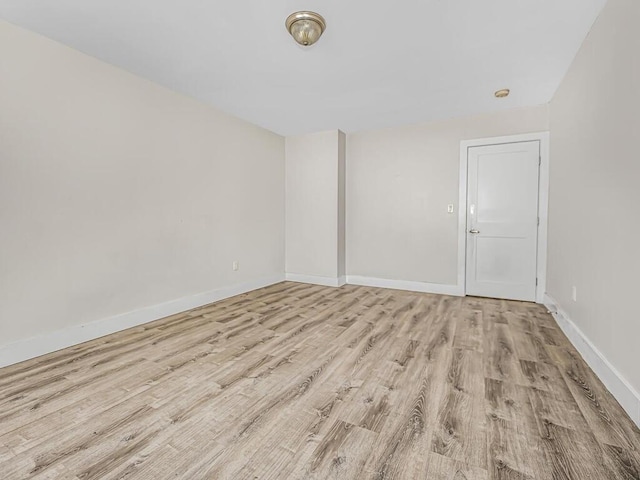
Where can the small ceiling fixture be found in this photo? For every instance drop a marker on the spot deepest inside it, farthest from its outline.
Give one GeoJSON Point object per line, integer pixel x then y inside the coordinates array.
{"type": "Point", "coordinates": [305, 27]}
{"type": "Point", "coordinates": [502, 93]}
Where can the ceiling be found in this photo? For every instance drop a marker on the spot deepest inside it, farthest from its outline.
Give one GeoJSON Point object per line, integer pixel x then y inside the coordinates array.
{"type": "Point", "coordinates": [380, 63]}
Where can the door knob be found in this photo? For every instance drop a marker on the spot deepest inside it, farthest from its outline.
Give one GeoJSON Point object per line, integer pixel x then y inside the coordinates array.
{"type": "Point", "coordinates": [474, 231]}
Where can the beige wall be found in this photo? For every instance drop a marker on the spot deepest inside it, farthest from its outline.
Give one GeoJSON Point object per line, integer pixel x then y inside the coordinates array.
{"type": "Point", "coordinates": [342, 199]}
{"type": "Point", "coordinates": [117, 194]}
{"type": "Point", "coordinates": [594, 227]}
{"type": "Point", "coordinates": [399, 183]}
{"type": "Point", "coordinates": [314, 196]}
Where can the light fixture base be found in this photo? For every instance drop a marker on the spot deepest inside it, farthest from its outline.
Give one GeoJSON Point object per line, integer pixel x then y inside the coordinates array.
{"type": "Point", "coordinates": [305, 27]}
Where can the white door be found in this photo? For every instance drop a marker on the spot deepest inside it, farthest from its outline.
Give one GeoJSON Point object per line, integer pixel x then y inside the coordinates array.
{"type": "Point", "coordinates": [502, 220]}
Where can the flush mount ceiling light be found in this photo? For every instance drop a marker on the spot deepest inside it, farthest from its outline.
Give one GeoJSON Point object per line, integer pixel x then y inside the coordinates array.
{"type": "Point", "coordinates": [305, 27]}
{"type": "Point", "coordinates": [502, 93]}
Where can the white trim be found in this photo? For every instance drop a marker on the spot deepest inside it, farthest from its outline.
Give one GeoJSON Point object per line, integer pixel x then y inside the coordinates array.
{"type": "Point", "coordinates": [423, 287]}
{"type": "Point", "coordinates": [543, 204]}
{"type": "Point", "coordinates": [462, 218]}
{"type": "Point", "coordinates": [543, 214]}
{"type": "Point", "coordinates": [619, 387]}
{"type": "Point", "coordinates": [316, 280]}
{"type": "Point", "coordinates": [70, 336]}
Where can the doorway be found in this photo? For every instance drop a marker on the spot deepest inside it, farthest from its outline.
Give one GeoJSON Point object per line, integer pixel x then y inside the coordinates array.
{"type": "Point", "coordinates": [503, 217]}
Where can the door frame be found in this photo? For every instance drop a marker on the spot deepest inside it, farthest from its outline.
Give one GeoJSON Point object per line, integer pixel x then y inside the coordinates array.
{"type": "Point", "coordinates": [543, 205]}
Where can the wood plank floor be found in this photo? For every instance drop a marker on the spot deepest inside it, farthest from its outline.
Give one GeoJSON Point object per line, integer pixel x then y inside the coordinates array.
{"type": "Point", "coordinates": [305, 382]}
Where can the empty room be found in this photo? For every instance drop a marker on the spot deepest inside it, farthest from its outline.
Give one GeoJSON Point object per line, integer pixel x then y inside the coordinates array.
{"type": "Point", "coordinates": [309, 240]}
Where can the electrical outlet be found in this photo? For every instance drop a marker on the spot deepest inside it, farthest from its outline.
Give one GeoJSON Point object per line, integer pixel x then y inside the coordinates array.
{"type": "Point", "coordinates": [236, 266]}
{"type": "Point", "coordinates": [450, 208]}
{"type": "Point", "coordinates": [574, 294]}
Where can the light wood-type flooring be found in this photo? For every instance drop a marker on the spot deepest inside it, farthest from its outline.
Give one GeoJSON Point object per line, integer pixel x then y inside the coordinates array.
{"type": "Point", "coordinates": [305, 382]}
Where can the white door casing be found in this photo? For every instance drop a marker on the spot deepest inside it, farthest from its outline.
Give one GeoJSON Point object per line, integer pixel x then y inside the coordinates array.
{"type": "Point", "coordinates": [502, 220]}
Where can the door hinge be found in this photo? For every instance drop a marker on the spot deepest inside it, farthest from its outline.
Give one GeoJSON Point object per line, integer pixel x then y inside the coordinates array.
{"type": "Point", "coordinates": [539, 160]}
{"type": "Point", "coordinates": [538, 221]}
{"type": "Point", "coordinates": [536, 282]}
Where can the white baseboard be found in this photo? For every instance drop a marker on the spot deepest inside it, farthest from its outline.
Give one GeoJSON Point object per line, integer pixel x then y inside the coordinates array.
{"type": "Point", "coordinates": [34, 347]}
{"type": "Point", "coordinates": [619, 387]}
{"type": "Point", "coordinates": [316, 280]}
{"type": "Point", "coordinates": [422, 287]}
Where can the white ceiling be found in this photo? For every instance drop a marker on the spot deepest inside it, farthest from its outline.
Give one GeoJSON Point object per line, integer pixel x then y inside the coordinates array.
{"type": "Point", "coordinates": [380, 63]}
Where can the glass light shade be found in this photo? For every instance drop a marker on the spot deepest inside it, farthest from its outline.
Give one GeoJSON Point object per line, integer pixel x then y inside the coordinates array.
{"type": "Point", "coordinates": [305, 27]}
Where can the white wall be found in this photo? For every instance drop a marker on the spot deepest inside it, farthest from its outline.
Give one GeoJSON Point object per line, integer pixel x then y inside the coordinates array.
{"type": "Point", "coordinates": [117, 194]}
{"type": "Point", "coordinates": [594, 222]}
{"type": "Point", "coordinates": [314, 197]}
{"type": "Point", "coordinates": [399, 183]}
